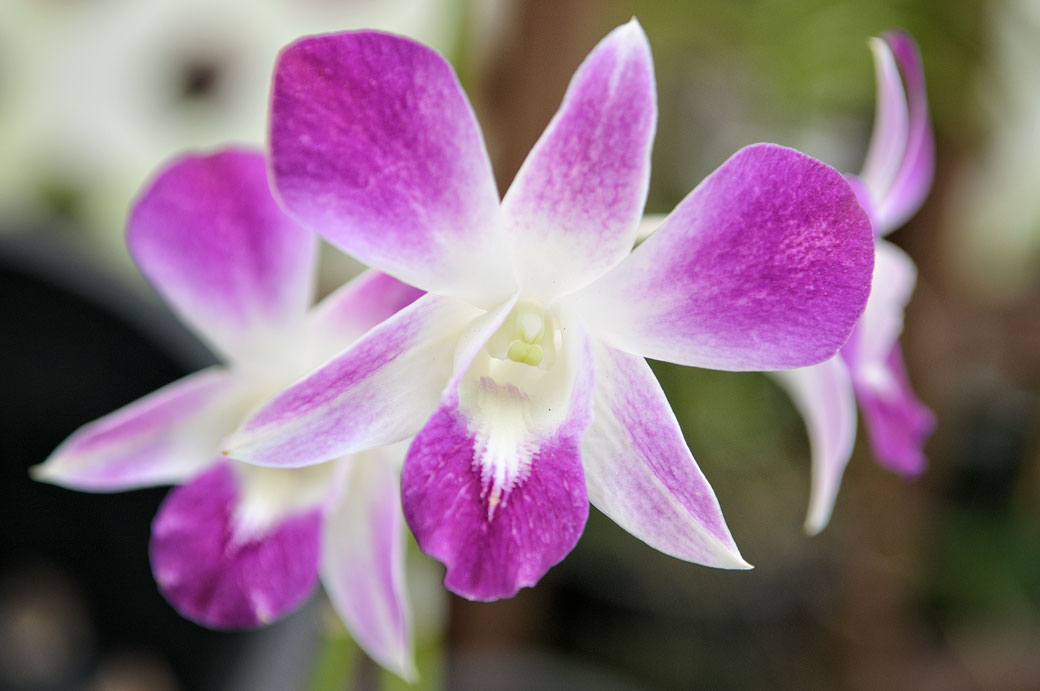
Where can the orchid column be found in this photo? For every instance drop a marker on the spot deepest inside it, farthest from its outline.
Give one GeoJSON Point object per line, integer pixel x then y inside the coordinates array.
{"type": "Point", "coordinates": [522, 369]}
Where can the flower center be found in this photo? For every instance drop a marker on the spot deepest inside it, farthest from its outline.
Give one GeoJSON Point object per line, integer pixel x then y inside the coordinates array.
{"type": "Point", "coordinates": [528, 336]}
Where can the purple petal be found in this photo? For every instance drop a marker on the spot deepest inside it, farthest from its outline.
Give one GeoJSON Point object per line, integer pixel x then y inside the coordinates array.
{"type": "Point", "coordinates": [209, 236]}
{"type": "Point", "coordinates": [375, 146]}
{"type": "Point", "coordinates": [163, 438]}
{"type": "Point", "coordinates": [378, 392]}
{"type": "Point", "coordinates": [345, 315]}
{"type": "Point", "coordinates": [574, 208]}
{"type": "Point", "coordinates": [900, 199]}
{"type": "Point", "coordinates": [217, 576]}
{"type": "Point", "coordinates": [492, 552]}
{"type": "Point", "coordinates": [897, 422]}
{"type": "Point", "coordinates": [363, 561]}
{"type": "Point", "coordinates": [766, 265]}
{"type": "Point", "coordinates": [824, 396]}
{"type": "Point", "coordinates": [640, 472]}
{"type": "Point", "coordinates": [493, 486]}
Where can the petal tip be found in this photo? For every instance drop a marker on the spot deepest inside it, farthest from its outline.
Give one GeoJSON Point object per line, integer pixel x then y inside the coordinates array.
{"type": "Point", "coordinates": [44, 472]}
{"type": "Point", "coordinates": [818, 516]}
{"type": "Point", "coordinates": [737, 562]}
{"type": "Point", "coordinates": [727, 556]}
{"type": "Point", "coordinates": [632, 33]}
{"type": "Point", "coordinates": [899, 39]}
{"type": "Point", "coordinates": [813, 526]}
{"type": "Point", "coordinates": [241, 448]}
{"type": "Point", "coordinates": [248, 446]}
{"type": "Point", "coordinates": [877, 43]}
{"type": "Point", "coordinates": [405, 668]}
{"type": "Point", "coordinates": [633, 27]}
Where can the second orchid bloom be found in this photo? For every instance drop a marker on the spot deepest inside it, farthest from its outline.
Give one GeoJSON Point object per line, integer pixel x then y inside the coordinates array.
{"type": "Point", "coordinates": [522, 369]}
{"type": "Point", "coordinates": [869, 369]}
{"type": "Point", "coordinates": [235, 545]}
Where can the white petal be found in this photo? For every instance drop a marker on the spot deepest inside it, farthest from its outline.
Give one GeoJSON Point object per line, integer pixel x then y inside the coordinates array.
{"type": "Point", "coordinates": [824, 396]}
{"type": "Point", "coordinates": [363, 560]}
{"type": "Point", "coordinates": [640, 472]}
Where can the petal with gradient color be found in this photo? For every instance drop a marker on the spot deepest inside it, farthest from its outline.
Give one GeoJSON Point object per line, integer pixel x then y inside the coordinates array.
{"type": "Point", "coordinates": [209, 236]}
{"type": "Point", "coordinates": [345, 315]}
{"type": "Point", "coordinates": [491, 551]}
{"type": "Point", "coordinates": [902, 197]}
{"type": "Point", "coordinates": [640, 472]}
{"type": "Point", "coordinates": [765, 265]}
{"type": "Point", "coordinates": [363, 555]}
{"type": "Point", "coordinates": [374, 145]}
{"type": "Point", "coordinates": [574, 208]}
{"type": "Point", "coordinates": [376, 393]}
{"type": "Point", "coordinates": [164, 438]}
{"type": "Point", "coordinates": [898, 423]}
{"type": "Point", "coordinates": [891, 123]}
{"type": "Point", "coordinates": [824, 396]}
{"type": "Point", "coordinates": [222, 576]}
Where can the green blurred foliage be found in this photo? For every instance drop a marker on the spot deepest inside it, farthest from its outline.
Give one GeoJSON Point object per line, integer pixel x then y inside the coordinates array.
{"type": "Point", "coordinates": [803, 52]}
{"type": "Point", "coordinates": [986, 565]}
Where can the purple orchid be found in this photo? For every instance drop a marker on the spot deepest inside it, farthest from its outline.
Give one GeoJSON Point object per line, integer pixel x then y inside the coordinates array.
{"type": "Point", "coordinates": [528, 349]}
{"type": "Point", "coordinates": [894, 182]}
{"type": "Point", "coordinates": [236, 545]}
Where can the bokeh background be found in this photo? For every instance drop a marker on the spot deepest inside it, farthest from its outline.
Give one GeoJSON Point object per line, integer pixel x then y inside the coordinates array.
{"type": "Point", "coordinates": [929, 584]}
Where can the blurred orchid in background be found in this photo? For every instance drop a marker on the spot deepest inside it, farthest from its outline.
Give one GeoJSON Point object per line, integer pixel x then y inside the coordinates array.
{"type": "Point", "coordinates": [145, 81]}
{"type": "Point", "coordinates": [992, 223]}
{"type": "Point", "coordinates": [869, 369]}
{"type": "Point", "coordinates": [529, 348]}
{"type": "Point", "coordinates": [236, 545]}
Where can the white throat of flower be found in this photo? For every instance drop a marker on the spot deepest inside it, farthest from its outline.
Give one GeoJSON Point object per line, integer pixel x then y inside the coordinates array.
{"type": "Point", "coordinates": [516, 390]}
{"type": "Point", "coordinates": [267, 496]}
{"type": "Point", "coordinates": [270, 495]}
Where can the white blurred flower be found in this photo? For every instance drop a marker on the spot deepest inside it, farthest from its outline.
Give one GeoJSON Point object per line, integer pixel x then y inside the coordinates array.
{"type": "Point", "coordinates": [94, 93]}
{"type": "Point", "coordinates": [993, 216]}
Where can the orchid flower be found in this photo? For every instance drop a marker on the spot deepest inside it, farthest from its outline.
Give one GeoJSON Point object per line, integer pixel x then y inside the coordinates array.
{"type": "Point", "coordinates": [869, 369]}
{"type": "Point", "coordinates": [236, 545]}
{"type": "Point", "coordinates": [523, 367]}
